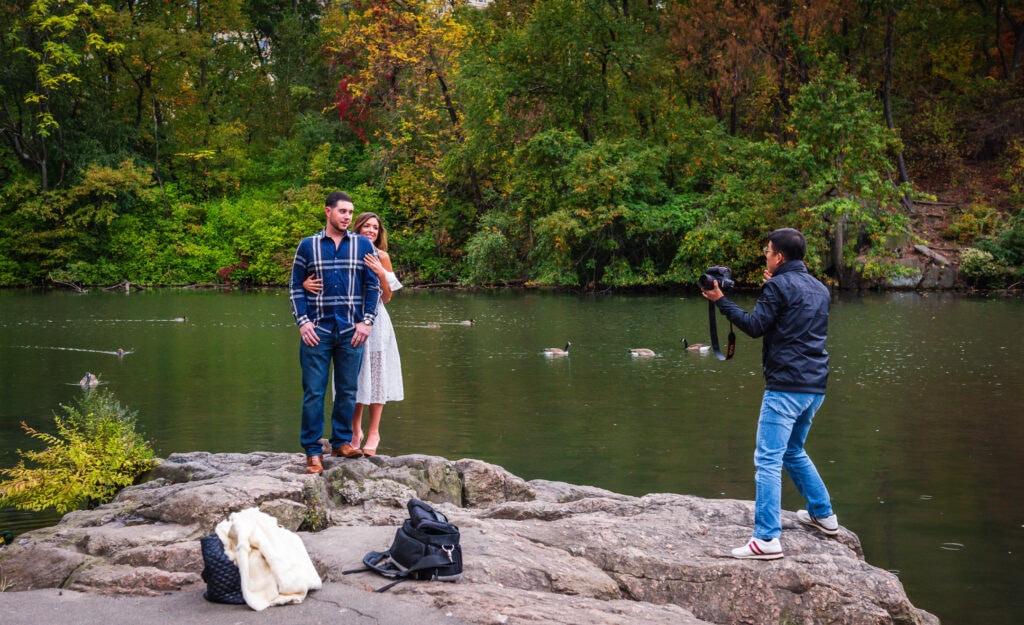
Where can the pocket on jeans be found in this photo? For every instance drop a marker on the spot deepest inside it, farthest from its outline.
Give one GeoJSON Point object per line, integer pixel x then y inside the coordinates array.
{"type": "Point", "coordinates": [783, 404]}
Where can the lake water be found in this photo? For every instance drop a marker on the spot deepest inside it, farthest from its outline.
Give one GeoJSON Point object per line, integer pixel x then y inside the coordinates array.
{"type": "Point", "coordinates": [919, 439]}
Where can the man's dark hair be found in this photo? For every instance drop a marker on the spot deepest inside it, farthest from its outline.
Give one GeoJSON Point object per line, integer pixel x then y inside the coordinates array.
{"type": "Point", "coordinates": [789, 242]}
{"type": "Point", "coordinates": [336, 196]}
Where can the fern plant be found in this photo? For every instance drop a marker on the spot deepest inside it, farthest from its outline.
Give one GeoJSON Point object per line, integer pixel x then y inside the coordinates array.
{"type": "Point", "coordinates": [95, 452]}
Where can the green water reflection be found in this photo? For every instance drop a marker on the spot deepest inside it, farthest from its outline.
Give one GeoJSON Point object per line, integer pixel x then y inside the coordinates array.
{"type": "Point", "coordinates": [918, 440]}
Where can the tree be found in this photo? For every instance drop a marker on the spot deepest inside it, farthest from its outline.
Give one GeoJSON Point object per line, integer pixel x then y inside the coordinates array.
{"type": "Point", "coordinates": [397, 91]}
{"type": "Point", "coordinates": [47, 47]}
{"type": "Point", "coordinates": [746, 59]}
{"type": "Point", "coordinates": [846, 153]}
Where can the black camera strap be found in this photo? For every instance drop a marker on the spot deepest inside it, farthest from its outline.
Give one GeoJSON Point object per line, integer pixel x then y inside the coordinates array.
{"type": "Point", "coordinates": [730, 349]}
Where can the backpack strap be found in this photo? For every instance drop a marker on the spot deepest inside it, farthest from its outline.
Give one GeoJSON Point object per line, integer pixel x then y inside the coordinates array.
{"type": "Point", "coordinates": [373, 559]}
{"type": "Point", "coordinates": [372, 562]}
{"type": "Point", "coordinates": [424, 563]}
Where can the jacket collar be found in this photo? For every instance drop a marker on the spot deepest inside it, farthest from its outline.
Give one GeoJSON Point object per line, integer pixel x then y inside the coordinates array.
{"type": "Point", "coordinates": [791, 265]}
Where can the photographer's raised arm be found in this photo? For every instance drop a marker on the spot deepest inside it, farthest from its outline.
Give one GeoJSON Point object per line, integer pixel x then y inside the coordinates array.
{"type": "Point", "coordinates": [753, 324]}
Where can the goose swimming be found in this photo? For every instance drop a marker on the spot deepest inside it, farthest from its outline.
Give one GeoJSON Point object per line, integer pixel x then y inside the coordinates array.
{"type": "Point", "coordinates": [642, 352]}
{"type": "Point", "coordinates": [700, 348]}
{"type": "Point", "coordinates": [555, 352]}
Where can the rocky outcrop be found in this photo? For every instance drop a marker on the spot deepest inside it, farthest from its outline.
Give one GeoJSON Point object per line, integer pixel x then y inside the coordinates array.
{"type": "Point", "coordinates": [928, 270]}
{"type": "Point", "coordinates": [535, 552]}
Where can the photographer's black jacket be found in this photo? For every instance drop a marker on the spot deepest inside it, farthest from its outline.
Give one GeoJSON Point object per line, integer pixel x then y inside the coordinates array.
{"type": "Point", "coordinates": [792, 315]}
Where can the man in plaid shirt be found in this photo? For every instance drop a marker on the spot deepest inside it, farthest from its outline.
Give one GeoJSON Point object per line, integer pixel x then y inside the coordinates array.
{"type": "Point", "coordinates": [333, 325]}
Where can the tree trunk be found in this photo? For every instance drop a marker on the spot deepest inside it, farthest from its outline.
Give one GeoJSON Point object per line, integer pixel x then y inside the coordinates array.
{"type": "Point", "coordinates": [838, 261]}
{"type": "Point", "coordinates": [156, 155]}
{"type": "Point", "coordinates": [1018, 42]}
{"type": "Point", "coordinates": [890, 44]}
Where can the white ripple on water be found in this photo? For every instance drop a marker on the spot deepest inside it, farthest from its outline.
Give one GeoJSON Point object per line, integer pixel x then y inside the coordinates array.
{"type": "Point", "coordinates": [75, 349]}
{"type": "Point", "coordinates": [34, 322]}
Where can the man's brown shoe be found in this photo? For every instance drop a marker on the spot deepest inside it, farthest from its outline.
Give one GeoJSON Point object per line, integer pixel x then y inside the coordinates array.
{"type": "Point", "coordinates": [346, 451]}
{"type": "Point", "coordinates": [314, 465]}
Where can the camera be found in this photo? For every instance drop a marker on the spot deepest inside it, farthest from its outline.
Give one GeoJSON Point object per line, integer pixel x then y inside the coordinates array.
{"type": "Point", "coordinates": [722, 274]}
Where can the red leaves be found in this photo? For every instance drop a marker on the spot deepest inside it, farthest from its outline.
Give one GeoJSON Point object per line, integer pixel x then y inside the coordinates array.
{"type": "Point", "coordinates": [354, 110]}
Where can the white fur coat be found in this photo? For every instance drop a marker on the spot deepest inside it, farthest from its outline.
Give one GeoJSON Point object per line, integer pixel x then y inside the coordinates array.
{"type": "Point", "coordinates": [272, 561]}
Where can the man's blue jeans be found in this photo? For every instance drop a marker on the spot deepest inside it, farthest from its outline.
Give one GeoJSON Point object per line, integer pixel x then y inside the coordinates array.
{"type": "Point", "coordinates": [781, 432]}
{"type": "Point", "coordinates": [316, 362]}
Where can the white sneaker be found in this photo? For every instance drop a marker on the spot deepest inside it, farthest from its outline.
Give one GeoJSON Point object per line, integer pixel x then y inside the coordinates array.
{"type": "Point", "coordinates": [758, 549]}
{"type": "Point", "coordinates": [829, 525]}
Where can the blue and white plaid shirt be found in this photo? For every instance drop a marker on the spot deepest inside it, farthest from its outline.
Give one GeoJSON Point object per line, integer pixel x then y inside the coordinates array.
{"type": "Point", "coordinates": [351, 290]}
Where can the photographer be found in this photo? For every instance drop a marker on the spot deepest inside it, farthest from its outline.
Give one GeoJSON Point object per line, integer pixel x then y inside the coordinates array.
{"type": "Point", "coordinates": [792, 316]}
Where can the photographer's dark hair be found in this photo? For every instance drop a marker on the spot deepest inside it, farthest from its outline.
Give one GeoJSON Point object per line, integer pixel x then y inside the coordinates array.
{"type": "Point", "coordinates": [789, 242]}
{"type": "Point", "coordinates": [336, 196]}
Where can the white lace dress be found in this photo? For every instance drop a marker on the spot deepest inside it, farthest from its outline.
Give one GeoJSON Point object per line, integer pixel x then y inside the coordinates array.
{"type": "Point", "coordinates": [380, 377]}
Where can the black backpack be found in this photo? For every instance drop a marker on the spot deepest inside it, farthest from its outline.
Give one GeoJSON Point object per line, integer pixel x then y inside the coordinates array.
{"type": "Point", "coordinates": [426, 547]}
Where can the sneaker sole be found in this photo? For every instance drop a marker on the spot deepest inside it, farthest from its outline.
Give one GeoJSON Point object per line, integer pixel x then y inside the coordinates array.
{"type": "Point", "coordinates": [819, 527]}
{"type": "Point", "coordinates": [767, 556]}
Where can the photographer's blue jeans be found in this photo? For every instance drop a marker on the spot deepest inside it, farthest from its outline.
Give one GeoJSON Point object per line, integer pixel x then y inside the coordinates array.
{"type": "Point", "coordinates": [781, 432]}
{"type": "Point", "coordinates": [334, 347]}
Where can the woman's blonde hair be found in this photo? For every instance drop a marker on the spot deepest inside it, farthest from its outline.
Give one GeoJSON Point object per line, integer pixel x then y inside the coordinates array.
{"type": "Point", "coordinates": [382, 234]}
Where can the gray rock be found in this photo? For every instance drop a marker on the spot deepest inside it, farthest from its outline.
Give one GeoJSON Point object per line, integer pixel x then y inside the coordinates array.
{"type": "Point", "coordinates": [913, 278]}
{"type": "Point", "coordinates": [485, 484]}
{"type": "Point", "coordinates": [924, 250]}
{"type": "Point", "coordinates": [930, 273]}
{"type": "Point", "coordinates": [395, 480]}
{"type": "Point", "coordinates": [536, 551]}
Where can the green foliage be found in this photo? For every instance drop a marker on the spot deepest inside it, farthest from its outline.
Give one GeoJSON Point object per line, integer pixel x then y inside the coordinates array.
{"type": "Point", "coordinates": [18, 233]}
{"type": "Point", "coordinates": [539, 179]}
{"type": "Point", "coordinates": [103, 192]}
{"type": "Point", "coordinates": [981, 269]}
{"type": "Point", "coordinates": [937, 137]}
{"type": "Point", "coordinates": [630, 212]}
{"type": "Point", "coordinates": [615, 213]}
{"type": "Point", "coordinates": [567, 142]}
{"type": "Point", "coordinates": [1008, 245]}
{"type": "Point", "coordinates": [316, 517]}
{"type": "Point", "coordinates": [50, 51]}
{"type": "Point", "coordinates": [552, 260]}
{"type": "Point", "coordinates": [750, 197]}
{"type": "Point", "coordinates": [95, 452]}
{"type": "Point", "coordinates": [1013, 173]}
{"type": "Point", "coordinates": [419, 250]}
{"type": "Point", "coordinates": [324, 167]}
{"type": "Point", "coordinates": [217, 164]}
{"type": "Point", "coordinates": [293, 155]}
{"type": "Point", "coordinates": [977, 221]}
{"type": "Point", "coordinates": [259, 233]}
{"type": "Point", "coordinates": [846, 151]}
{"type": "Point", "coordinates": [707, 245]}
{"type": "Point", "coordinates": [490, 254]}
{"type": "Point", "coordinates": [76, 226]}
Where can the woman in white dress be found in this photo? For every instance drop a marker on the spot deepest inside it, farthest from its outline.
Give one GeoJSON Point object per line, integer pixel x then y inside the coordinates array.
{"type": "Point", "coordinates": [380, 377]}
